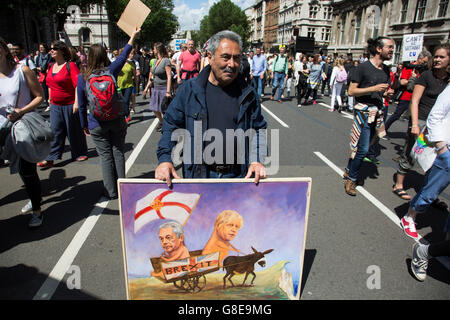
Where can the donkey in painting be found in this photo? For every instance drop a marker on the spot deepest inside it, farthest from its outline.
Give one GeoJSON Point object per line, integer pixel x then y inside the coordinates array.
{"type": "Point", "coordinates": [238, 265]}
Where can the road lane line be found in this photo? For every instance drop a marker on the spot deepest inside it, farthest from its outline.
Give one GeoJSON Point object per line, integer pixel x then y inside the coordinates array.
{"type": "Point", "coordinates": [391, 215]}
{"type": "Point", "coordinates": [274, 116]}
{"type": "Point", "coordinates": [50, 285]}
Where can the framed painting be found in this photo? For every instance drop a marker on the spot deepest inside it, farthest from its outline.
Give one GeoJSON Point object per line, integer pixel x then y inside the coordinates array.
{"type": "Point", "coordinates": [214, 238]}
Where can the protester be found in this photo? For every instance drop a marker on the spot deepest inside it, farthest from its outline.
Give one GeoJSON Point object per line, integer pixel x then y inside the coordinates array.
{"type": "Point", "coordinates": [290, 75]}
{"type": "Point", "coordinates": [301, 78]}
{"type": "Point", "coordinates": [108, 136]}
{"type": "Point", "coordinates": [258, 67]}
{"type": "Point", "coordinates": [369, 84]}
{"type": "Point", "coordinates": [216, 97]}
{"type": "Point", "coordinates": [327, 69]}
{"type": "Point", "coordinates": [405, 98]}
{"type": "Point", "coordinates": [19, 52]}
{"type": "Point", "coordinates": [279, 74]}
{"type": "Point", "coordinates": [205, 60]}
{"type": "Point", "coordinates": [162, 81]}
{"type": "Point", "coordinates": [42, 63]}
{"type": "Point", "coordinates": [338, 78]}
{"type": "Point", "coordinates": [426, 89]}
{"type": "Point", "coordinates": [25, 97]}
{"type": "Point", "coordinates": [188, 63]}
{"type": "Point", "coordinates": [115, 54]}
{"type": "Point", "coordinates": [315, 77]}
{"type": "Point", "coordinates": [145, 69]}
{"type": "Point", "coordinates": [437, 178]}
{"type": "Point", "coordinates": [64, 119]}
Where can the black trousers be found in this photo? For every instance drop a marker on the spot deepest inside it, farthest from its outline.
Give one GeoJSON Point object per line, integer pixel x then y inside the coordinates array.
{"type": "Point", "coordinates": [29, 175]}
{"type": "Point", "coordinates": [301, 91]}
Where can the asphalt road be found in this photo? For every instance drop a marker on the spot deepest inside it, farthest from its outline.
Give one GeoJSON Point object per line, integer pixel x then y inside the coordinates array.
{"type": "Point", "coordinates": [349, 239]}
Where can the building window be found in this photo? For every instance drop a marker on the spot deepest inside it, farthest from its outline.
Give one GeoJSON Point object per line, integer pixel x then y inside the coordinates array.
{"type": "Point", "coordinates": [397, 51]}
{"type": "Point", "coordinates": [443, 5]}
{"type": "Point", "coordinates": [421, 7]}
{"type": "Point", "coordinates": [326, 34]}
{"type": "Point", "coordinates": [404, 10]}
{"type": "Point", "coordinates": [327, 13]}
{"type": "Point", "coordinates": [311, 32]}
{"type": "Point", "coordinates": [357, 27]}
{"type": "Point", "coordinates": [313, 12]}
{"type": "Point", "coordinates": [343, 31]}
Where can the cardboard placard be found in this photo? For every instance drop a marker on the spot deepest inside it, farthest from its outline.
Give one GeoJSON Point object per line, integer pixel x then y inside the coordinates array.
{"type": "Point", "coordinates": [133, 16]}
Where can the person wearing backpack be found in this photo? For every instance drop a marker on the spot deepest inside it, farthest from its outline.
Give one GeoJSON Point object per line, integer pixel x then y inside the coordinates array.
{"type": "Point", "coordinates": [65, 122]}
{"type": "Point", "coordinates": [19, 87]}
{"type": "Point", "coordinates": [280, 73]}
{"type": "Point", "coordinates": [97, 91]}
{"type": "Point", "coordinates": [338, 78]}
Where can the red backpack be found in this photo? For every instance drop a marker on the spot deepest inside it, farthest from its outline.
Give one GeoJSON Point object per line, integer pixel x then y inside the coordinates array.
{"type": "Point", "coordinates": [105, 103]}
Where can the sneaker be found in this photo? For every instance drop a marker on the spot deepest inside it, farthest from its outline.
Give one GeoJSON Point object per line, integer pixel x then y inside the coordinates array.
{"type": "Point", "coordinates": [81, 158]}
{"type": "Point", "coordinates": [47, 109]}
{"type": "Point", "coordinates": [27, 208]}
{"type": "Point", "coordinates": [262, 94]}
{"type": "Point", "coordinates": [45, 164]}
{"type": "Point", "coordinates": [409, 227]}
{"type": "Point", "coordinates": [331, 110]}
{"type": "Point", "coordinates": [371, 160]}
{"type": "Point", "coordinates": [350, 187]}
{"type": "Point", "coordinates": [299, 105]}
{"type": "Point", "coordinates": [419, 265]}
{"type": "Point", "coordinates": [314, 102]}
{"type": "Point", "coordinates": [36, 220]}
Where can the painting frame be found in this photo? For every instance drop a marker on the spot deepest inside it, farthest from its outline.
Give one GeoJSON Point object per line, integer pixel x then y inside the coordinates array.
{"type": "Point", "coordinates": [122, 183]}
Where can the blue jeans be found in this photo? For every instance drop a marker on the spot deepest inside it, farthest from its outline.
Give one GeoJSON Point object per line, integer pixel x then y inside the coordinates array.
{"type": "Point", "coordinates": [65, 123]}
{"type": "Point", "coordinates": [437, 179]}
{"type": "Point", "coordinates": [126, 93]}
{"type": "Point", "coordinates": [278, 81]}
{"type": "Point", "coordinates": [353, 166]}
{"type": "Point", "coordinates": [258, 85]}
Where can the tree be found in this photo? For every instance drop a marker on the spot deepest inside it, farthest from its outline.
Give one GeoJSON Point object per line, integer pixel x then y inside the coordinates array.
{"type": "Point", "coordinates": [225, 15]}
{"type": "Point", "coordinates": [48, 8]}
{"type": "Point", "coordinates": [159, 26]}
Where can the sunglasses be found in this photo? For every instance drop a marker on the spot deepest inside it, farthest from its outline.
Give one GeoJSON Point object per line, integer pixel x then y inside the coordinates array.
{"type": "Point", "coordinates": [54, 49]}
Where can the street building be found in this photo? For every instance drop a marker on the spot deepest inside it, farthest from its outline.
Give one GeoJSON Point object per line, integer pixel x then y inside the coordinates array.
{"type": "Point", "coordinates": [356, 21]}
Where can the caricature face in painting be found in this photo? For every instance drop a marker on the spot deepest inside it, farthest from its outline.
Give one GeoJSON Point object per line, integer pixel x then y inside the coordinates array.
{"type": "Point", "coordinates": [228, 224]}
{"type": "Point", "coordinates": [170, 242]}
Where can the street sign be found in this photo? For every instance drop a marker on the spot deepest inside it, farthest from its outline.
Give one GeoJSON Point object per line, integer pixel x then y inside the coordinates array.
{"type": "Point", "coordinates": [412, 46]}
{"type": "Point", "coordinates": [178, 43]}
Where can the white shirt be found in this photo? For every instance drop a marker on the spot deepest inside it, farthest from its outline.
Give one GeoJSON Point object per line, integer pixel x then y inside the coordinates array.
{"type": "Point", "coordinates": [438, 121]}
{"type": "Point", "coordinates": [31, 64]}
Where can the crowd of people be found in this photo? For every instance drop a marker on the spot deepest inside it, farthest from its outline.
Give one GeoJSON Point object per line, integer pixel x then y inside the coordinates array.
{"type": "Point", "coordinates": [213, 86]}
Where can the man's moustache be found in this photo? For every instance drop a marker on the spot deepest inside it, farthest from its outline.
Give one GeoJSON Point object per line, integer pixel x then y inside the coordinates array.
{"type": "Point", "coordinates": [229, 70]}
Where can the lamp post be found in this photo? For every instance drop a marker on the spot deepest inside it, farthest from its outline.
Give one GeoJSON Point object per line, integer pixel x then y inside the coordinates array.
{"type": "Point", "coordinates": [284, 22]}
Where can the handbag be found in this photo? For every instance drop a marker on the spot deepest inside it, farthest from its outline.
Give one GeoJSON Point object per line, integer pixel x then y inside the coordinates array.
{"type": "Point", "coordinates": [422, 152]}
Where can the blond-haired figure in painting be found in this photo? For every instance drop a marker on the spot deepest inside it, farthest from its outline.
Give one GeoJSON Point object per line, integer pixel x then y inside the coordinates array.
{"type": "Point", "coordinates": [171, 236]}
{"type": "Point", "coordinates": [226, 227]}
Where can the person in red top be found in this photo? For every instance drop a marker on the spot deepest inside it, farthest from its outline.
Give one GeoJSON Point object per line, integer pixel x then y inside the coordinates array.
{"type": "Point", "coordinates": [405, 98]}
{"type": "Point", "coordinates": [62, 77]}
{"type": "Point", "coordinates": [188, 63]}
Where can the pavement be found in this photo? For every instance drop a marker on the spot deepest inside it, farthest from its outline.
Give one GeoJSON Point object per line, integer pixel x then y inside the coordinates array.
{"type": "Point", "coordinates": [348, 241]}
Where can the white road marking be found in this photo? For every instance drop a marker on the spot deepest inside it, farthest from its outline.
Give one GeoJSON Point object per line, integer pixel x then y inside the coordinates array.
{"type": "Point", "coordinates": [343, 113]}
{"type": "Point", "coordinates": [50, 285]}
{"type": "Point", "coordinates": [391, 215]}
{"type": "Point", "coordinates": [274, 116]}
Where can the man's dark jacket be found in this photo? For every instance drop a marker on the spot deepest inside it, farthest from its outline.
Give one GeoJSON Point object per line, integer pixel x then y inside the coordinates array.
{"type": "Point", "coordinates": [189, 106]}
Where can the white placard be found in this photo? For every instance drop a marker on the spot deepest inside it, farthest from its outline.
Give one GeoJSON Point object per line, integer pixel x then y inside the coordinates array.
{"type": "Point", "coordinates": [412, 46]}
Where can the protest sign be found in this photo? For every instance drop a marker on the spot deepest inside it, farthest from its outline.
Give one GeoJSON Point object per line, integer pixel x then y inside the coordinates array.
{"type": "Point", "coordinates": [133, 16]}
{"type": "Point", "coordinates": [412, 46]}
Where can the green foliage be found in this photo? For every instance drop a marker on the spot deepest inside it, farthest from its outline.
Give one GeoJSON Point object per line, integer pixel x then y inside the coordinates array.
{"type": "Point", "coordinates": [159, 26]}
{"type": "Point", "coordinates": [224, 15]}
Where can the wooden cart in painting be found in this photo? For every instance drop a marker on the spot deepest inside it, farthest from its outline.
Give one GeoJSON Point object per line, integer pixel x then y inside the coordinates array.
{"type": "Point", "coordinates": [187, 274]}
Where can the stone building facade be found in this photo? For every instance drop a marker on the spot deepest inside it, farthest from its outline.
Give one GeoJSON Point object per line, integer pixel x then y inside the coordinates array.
{"type": "Point", "coordinates": [271, 24]}
{"type": "Point", "coordinates": [354, 22]}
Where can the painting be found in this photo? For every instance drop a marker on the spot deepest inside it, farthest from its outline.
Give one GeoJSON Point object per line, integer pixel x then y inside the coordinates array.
{"type": "Point", "coordinates": [214, 238]}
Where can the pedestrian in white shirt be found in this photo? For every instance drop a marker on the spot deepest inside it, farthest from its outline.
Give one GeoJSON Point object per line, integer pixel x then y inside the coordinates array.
{"type": "Point", "coordinates": [337, 80]}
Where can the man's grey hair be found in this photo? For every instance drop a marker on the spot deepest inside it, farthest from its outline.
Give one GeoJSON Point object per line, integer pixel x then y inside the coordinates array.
{"type": "Point", "coordinates": [219, 36]}
{"type": "Point", "coordinates": [425, 53]}
{"type": "Point", "coordinates": [177, 228]}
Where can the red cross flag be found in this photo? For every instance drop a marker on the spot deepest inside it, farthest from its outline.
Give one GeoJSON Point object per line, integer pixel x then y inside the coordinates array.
{"type": "Point", "coordinates": [164, 204]}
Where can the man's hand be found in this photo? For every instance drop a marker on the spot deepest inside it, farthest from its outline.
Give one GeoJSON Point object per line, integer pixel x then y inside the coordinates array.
{"type": "Point", "coordinates": [86, 132]}
{"type": "Point", "coordinates": [164, 172]}
{"type": "Point", "coordinates": [258, 169]}
{"type": "Point", "coordinates": [261, 76]}
{"type": "Point", "coordinates": [415, 130]}
{"type": "Point", "coordinates": [388, 94]}
{"type": "Point", "coordinates": [381, 87]}
{"type": "Point", "coordinates": [178, 80]}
